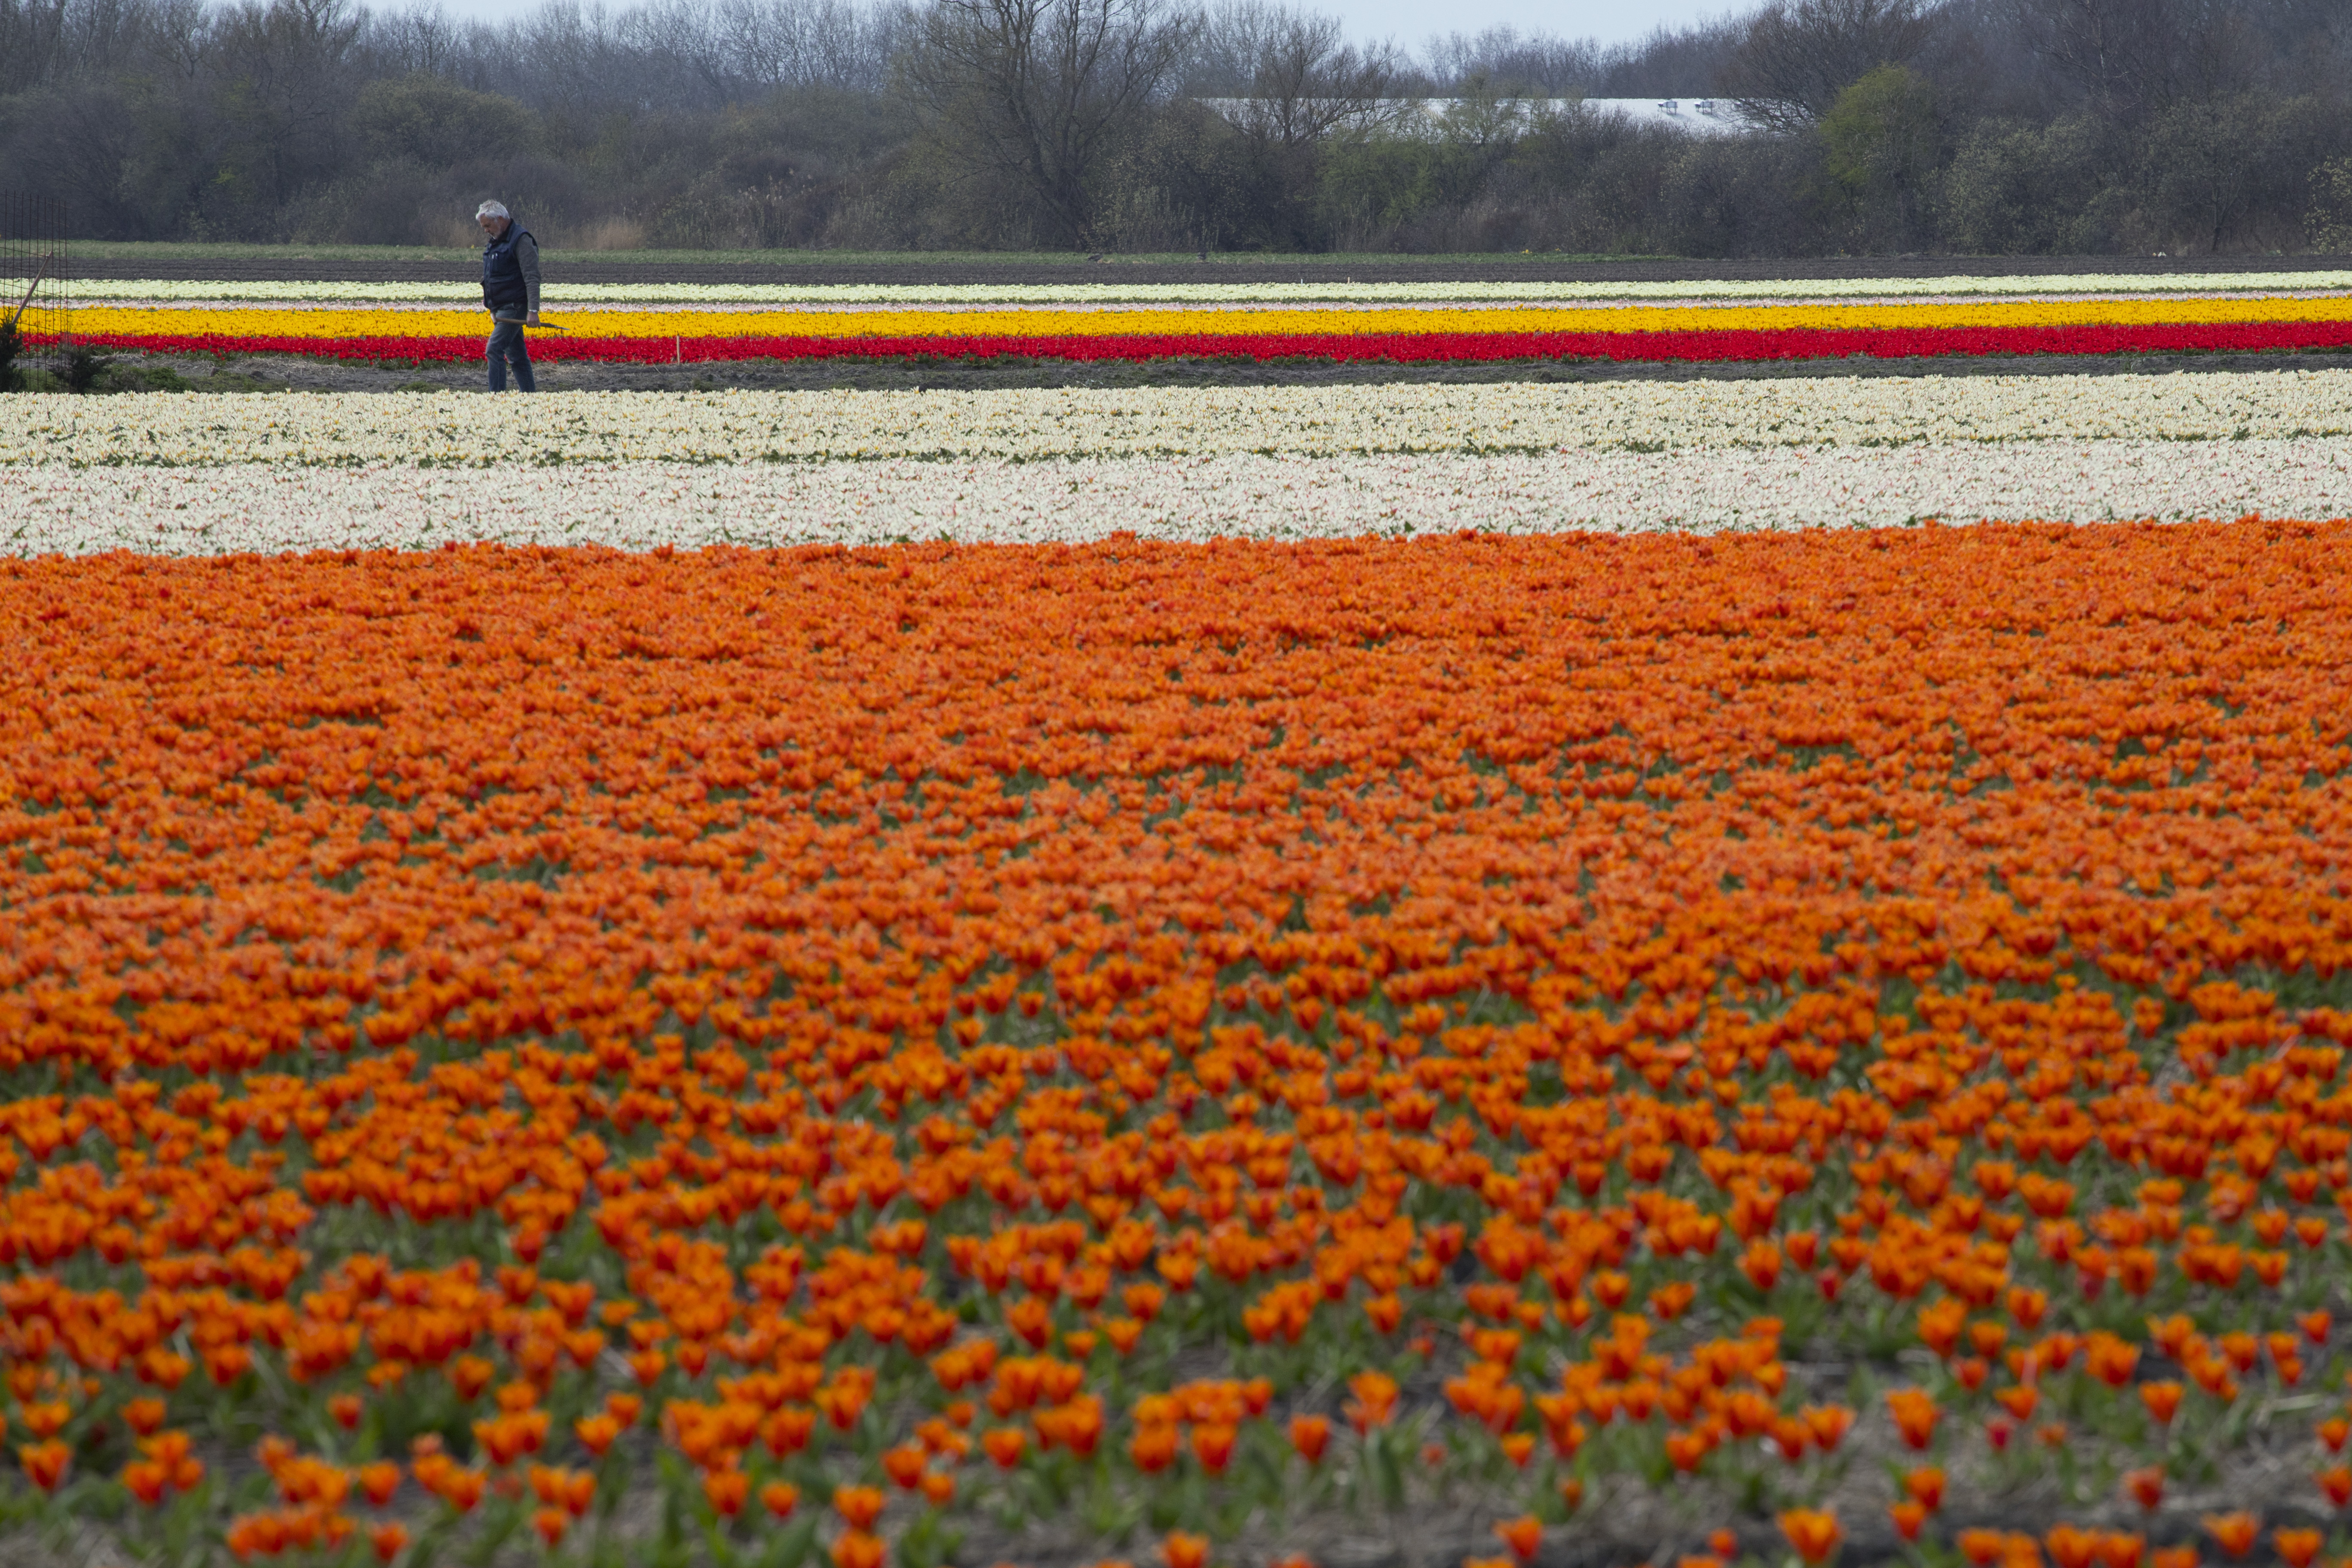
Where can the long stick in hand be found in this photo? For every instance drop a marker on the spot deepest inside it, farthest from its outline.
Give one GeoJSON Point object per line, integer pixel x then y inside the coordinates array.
{"type": "Point", "coordinates": [17, 314]}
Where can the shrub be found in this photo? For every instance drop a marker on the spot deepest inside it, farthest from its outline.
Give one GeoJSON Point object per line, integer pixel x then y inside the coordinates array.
{"type": "Point", "coordinates": [1741, 197]}
{"type": "Point", "coordinates": [2022, 190]}
{"type": "Point", "coordinates": [425, 119]}
{"type": "Point", "coordinates": [2329, 221]}
{"type": "Point", "coordinates": [2222, 170]}
{"type": "Point", "coordinates": [84, 367]}
{"type": "Point", "coordinates": [1882, 145]}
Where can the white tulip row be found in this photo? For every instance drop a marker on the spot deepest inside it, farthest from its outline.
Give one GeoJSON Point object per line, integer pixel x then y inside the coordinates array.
{"type": "Point", "coordinates": [560, 293]}
{"type": "Point", "coordinates": [1372, 420]}
{"type": "Point", "coordinates": [640, 504]}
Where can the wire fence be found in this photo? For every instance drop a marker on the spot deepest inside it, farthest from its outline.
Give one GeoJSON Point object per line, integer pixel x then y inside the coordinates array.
{"type": "Point", "coordinates": [33, 273]}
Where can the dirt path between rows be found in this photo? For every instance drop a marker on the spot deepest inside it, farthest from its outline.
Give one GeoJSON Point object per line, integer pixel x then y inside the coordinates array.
{"type": "Point", "coordinates": [613, 268]}
{"type": "Point", "coordinates": [286, 373]}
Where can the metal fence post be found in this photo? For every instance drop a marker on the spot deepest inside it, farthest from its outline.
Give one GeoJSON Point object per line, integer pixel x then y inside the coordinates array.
{"type": "Point", "coordinates": [35, 270]}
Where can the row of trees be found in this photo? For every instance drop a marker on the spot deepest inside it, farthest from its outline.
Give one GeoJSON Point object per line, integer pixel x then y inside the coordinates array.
{"type": "Point", "coordinates": [1877, 125]}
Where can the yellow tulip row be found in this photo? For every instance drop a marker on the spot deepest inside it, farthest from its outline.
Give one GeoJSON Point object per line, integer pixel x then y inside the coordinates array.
{"type": "Point", "coordinates": [119, 322]}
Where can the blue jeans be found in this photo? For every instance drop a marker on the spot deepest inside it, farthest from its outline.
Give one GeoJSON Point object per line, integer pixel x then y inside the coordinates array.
{"type": "Point", "coordinates": [506, 347]}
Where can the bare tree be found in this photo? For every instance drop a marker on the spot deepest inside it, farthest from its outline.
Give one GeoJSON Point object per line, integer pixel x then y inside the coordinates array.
{"type": "Point", "coordinates": [2130, 58]}
{"type": "Point", "coordinates": [1039, 90]}
{"type": "Point", "coordinates": [1297, 78]}
{"type": "Point", "coordinates": [44, 41]}
{"type": "Point", "coordinates": [421, 41]}
{"type": "Point", "coordinates": [32, 42]}
{"type": "Point", "coordinates": [676, 38]}
{"type": "Point", "coordinates": [179, 35]}
{"type": "Point", "coordinates": [807, 43]}
{"type": "Point", "coordinates": [1798, 54]}
{"type": "Point", "coordinates": [289, 67]}
{"type": "Point", "coordinates": [1537, 63]}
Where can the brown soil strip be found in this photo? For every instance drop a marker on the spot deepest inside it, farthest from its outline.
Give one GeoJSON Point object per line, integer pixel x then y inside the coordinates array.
{"type": "Point", "coordinates": [607, 267]}
{"type": "Point", "coordinates": [275, 373]}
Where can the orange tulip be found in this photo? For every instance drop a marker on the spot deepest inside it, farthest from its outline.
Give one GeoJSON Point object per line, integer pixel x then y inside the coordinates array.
{"type": "Point", "coordinates": [1828, 1423]}
{"type": "Point", "coordinates": [904, 1465]}
{"type": "Point", "coordinates": [727, 1491]}
{"type": "Point", "coordinates": [2234, 1533]}
{"type": "Point", "coordinates": [43, 1464]}
{"type": "Point", "coordinates": [1915, 1415]}
{"type": "Point", "coordinates": [1153, 1448]}
{"type": "Point", "coordinates": [2296, 1548]}
{"type": "Point", "coordinates": [1982, 1547]}
{"type": "Point", "coordinates": [597, 1433]}
{"type": "Point", "coordinates": [2120, 1549]}
{"type": "Point", "coordinates": [1813, 1533]}
{"type": "Point", "coordinates": [2019, 1401]}
{"type": "Point", "coordinates": [378, 1482]}
{"type": "Point", "coordinates": [1524, 1536]}
{"type": "Point", "coordinates": [858, 1505]}
{"type": "Point", "coordinates": [1213, 1445]}
{"type": "Point", "coordinates": [1375, 1400]}
{"type": "Point", "coordinates": [2072, 1547]}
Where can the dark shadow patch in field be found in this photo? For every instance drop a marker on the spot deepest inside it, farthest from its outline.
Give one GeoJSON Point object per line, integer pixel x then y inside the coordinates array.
{"type": "Point", "coordinates": [611, 266]}
{"type": "Point", "coordinates": [289, 373]}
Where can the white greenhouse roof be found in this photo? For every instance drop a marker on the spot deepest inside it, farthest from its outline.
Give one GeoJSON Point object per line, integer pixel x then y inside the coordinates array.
{"type": "Point", "coordinates": [1699, 116]}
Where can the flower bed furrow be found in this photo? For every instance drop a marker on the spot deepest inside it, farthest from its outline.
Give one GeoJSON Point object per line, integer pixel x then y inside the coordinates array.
{"type": "Point", "coordinates": [864, 1045]}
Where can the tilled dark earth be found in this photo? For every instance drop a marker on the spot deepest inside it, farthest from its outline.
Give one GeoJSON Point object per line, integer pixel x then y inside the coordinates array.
{"type": "Point", "coordinates": [606, 267]}
{"type": "Point", "coordinates": [289, 373]}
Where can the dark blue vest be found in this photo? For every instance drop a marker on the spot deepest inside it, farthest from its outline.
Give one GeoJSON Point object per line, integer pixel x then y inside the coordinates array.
{"type": "Point", "coordinates": [503, 289]}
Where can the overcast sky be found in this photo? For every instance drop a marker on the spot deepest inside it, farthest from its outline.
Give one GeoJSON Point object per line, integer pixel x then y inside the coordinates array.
{"type": "Point", "coordinates": [1409, 22]}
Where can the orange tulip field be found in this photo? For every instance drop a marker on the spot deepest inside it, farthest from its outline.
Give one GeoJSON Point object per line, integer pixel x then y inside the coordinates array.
{"type": "Point", "coordinates": [1814, 1045]}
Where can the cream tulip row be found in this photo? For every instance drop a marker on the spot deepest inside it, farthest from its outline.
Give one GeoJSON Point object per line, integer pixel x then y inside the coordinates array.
{"type": "Point", "coordinates": [643, 504]}
{"type": "Point", "coordinates": [561, 293]}
{"type": "Point", "coordinates": [451, 429]}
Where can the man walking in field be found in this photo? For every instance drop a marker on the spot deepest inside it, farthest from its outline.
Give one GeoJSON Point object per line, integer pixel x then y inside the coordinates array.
{"type": "Point", "coordinates": [510, 292]}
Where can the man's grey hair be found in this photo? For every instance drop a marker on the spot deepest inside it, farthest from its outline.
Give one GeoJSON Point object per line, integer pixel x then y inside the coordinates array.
{"type": "Point", "coordinates": [490, 209]}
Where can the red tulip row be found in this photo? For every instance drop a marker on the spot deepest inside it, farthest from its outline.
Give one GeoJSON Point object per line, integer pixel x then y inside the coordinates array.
{"type": "Point", "coordinates": [1792, 343]}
